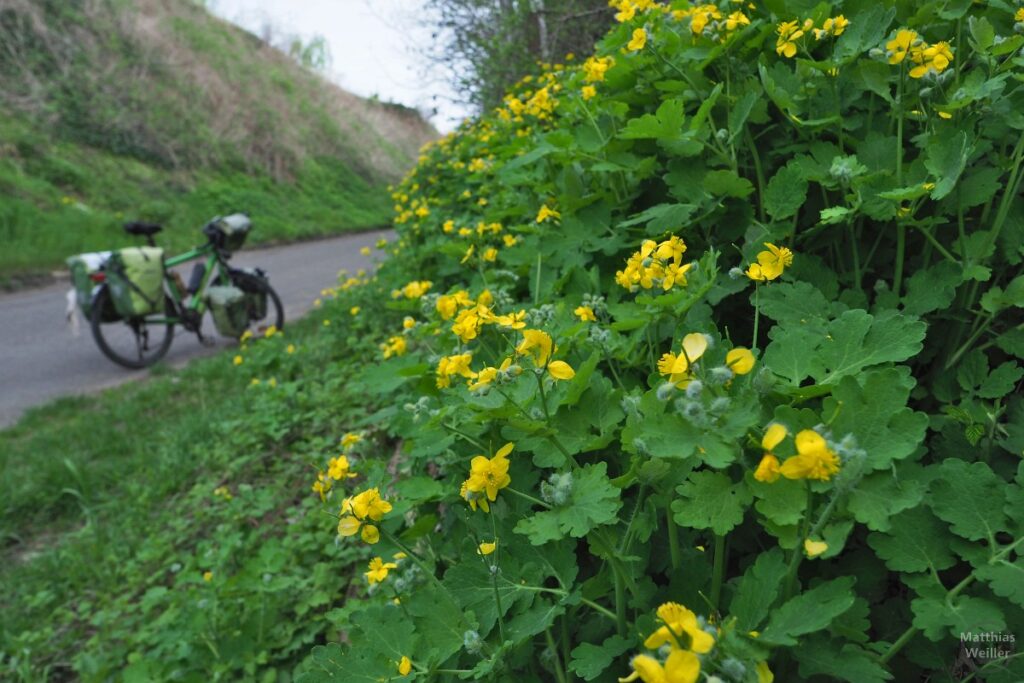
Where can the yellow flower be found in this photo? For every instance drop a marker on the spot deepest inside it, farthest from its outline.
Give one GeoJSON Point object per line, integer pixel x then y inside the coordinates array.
{"type": "Point", "coordinates": [833, 26]}
{"type": "Point", "coordinates": [545, 213]}
{"type": "Point", "coordinates": [408, 323]}
{"type": "Point", "coordinates": [678, 621]}
{"type": "Point", "coordinates": [354, 310]}
{"type": "Point", "coordinates": [1019, 15]}
{"type": "Point", "coordinates": [207, 576]}
{"type": "Point", "coordinates": [290, 349]}
{"type": "Point", "coordinates": [448, 304]}
{"type": "Point", "coordinates": [735, 20]}
{"type": "Point", "coordinates": [770, 264]}
{"type": "Point", "coordinates": [595, 68]}
{"type": "Point", "coordinates": [899, 47]}
{"type": "Point", "coordinates": [413, 290]}
{"type": "Point", "coordinates": [395, 346]}
{"type": "Point", "coordinates": [449, 226]}
{"type": "Point", "coordinates": [740, 360]}
{"type": "Point", "coordinates": [814, 459]}
{"type": "Point", "coordinates": [487, 548]}
{"type": "Point", "coordinates": [681, 666]}
{"type": "Point", "coordinates": [379, 570]}
{"type": "Point", "coordinates": [238, 360]}
{"type": "Point", "coordinates": [538, 345]}
{"type": "Point", "coordinates": [585, 313]}
{"type": "Point", "coordinates": [355, 512]}
{"type": "Point", "coordinates": [768, 469]}
{"type": "Point", "coordinates": [814, 548]}
{"type": "Point", "coordinates": [627, 10]}
{"type": "Point", "coordinates": [490, 254]}
{"type": "Point", "coordinates": [677, 368]}
{"type": "Point", "coordinates": [271, 331]}
{"type": "Point", "coordinates": [764, 674]}
{"type": "Point", "coordinates": [638, 41]}
{"type": "Point", "coordinates": [588, 92]}
{"type": "Point", "coordinates": [449, 366]}
{"type": "Point", "coordinates": [487, 476]}
{"type": "Point", "coordinates": [365, 251]}
{"type": "Point", "coordinates": [337, 468]}
{"type": "Point", "coordinates": [789, 32]}
{"type": "Point", "coordinates": [404, 666]}
{"type": "Point", "coordinates": [931, 58]}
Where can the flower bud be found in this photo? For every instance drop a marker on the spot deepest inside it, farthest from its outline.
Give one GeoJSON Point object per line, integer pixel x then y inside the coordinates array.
{"type": "Point", "coordinates": [472, 641]}
{"type": "Point", "coordinates": [665, 391]}
{"type": "Point", "coordinates": [694, 389]}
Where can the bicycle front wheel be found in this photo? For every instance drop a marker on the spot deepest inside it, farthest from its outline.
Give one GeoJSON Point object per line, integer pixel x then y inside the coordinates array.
{"type": "Point", "coordinates": [133, 343]}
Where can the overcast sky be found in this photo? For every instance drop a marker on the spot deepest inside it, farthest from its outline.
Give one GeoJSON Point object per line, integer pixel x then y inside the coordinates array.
{"type": "Point", "coordinates": [373, 46]}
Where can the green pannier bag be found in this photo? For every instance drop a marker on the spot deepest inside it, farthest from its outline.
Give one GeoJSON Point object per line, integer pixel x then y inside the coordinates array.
{"type": "Point", "coordinates": [252, 282]}
{"type": "Point", "coordinates": [135, 278]}
{"type": "Point", "coordinates": [229, 309]}
{"type": "Point", "coordinates": [81, 267]}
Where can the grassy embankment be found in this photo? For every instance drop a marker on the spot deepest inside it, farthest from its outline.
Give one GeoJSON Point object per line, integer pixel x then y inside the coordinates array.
{"type": "Point", "coordinates": [104, 545]}
{"type": "Point", "coordinates": [154, 109]}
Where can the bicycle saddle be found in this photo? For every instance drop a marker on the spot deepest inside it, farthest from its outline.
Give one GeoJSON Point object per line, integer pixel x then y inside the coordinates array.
{"type": "Point", "coordinates": [140, 228]}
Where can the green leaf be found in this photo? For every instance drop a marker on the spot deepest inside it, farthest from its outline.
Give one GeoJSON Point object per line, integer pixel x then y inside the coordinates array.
{"type": "Point", "coordinates": [796, 302]}
{"type": "Point", "coordinates": [808, 612]}
{"type": "Point", "coordinates": [1005, 578]}
{"type": "Point", "coordinates": [593, 502]}
{"type": "Point", "coordinates": [786, 193]}
{"type": "Point", "coordinates": [873, 408]}
{"type": "Point", "coordinates": [662, 217]}
{"type": "Point", "coordinates": [834, 215]}
{"type": "Point", "coordinates": [590, 661]}
{"type": "Point", "coordinates": [938, 618]}
{"type": "Point", "coordinates": [970, 496]}
{"type": "Point", "coordinates": [667, 122]}
{"type": "Point", "coordinates": [916, 542]}
{"type": "Point", "coordinates": [1001, 381]}
{"type": "Point", "coordinates": [783, 501]}
{"type": "Point", "coordinates": [725, 183]}
{"type": "Point", "coordinates": [852, 342]}
{"type": "Point", "coordinates": [880, 495]}
{"type": "Point", "coordinates": [945, 158]}
{"type": "Point", "coordinates": [932, 289]}
{"type": "Point", "coordinates": [710, 500]}
{"type": "Point", "coordinates": [849, 662]}
{"type": "Point", "coordinates": [758, 589]}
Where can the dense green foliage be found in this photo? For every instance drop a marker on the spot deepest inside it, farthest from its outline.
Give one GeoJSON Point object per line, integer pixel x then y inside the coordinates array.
{"type": "Point", "coordinates": [156, 110]}
{"type": "Point", "coordinates": [868, 547]}
{"type": "Point", "coordinates": [523, 304]}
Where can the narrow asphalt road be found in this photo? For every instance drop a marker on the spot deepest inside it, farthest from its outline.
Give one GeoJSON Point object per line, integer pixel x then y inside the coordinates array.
{"type": "Point", "coordinates": [40, 358]}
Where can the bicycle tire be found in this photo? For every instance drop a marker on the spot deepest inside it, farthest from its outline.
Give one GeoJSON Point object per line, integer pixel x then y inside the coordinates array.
{"type": "Point", "coordinates": [103, 332]}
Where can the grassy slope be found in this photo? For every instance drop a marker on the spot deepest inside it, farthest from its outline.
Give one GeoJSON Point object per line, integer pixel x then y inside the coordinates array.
{"type": "Point", "coordinates": [103, 546]}
{"type": "Point", "coordinates": [111, 110]}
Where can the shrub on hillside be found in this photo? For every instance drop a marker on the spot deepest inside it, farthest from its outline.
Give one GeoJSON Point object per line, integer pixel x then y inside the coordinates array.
{"type": "Point", "coordinates": [709, 362]}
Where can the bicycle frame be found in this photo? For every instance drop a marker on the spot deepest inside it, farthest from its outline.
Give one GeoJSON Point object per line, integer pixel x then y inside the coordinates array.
{"type": "Point", "coordinates": [215, 267]}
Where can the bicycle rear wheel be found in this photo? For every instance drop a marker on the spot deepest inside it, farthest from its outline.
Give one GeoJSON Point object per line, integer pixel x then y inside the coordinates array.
{"type": "Point", "coordinates": [134, 343]}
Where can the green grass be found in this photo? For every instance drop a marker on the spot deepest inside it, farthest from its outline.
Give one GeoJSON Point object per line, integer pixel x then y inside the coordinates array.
{"type": "Point", "coordinates": [103, 545]}
{"type": "Point", "coordinates": [59, 199]}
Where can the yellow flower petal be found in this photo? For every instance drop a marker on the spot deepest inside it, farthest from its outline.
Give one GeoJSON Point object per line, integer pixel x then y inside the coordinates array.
{"type": "Point", "coordinates": [559, 369]}
{"type": "Point", "coordinates": [740, 360]}
{"type": "Point", "coordinates": [814, 548]}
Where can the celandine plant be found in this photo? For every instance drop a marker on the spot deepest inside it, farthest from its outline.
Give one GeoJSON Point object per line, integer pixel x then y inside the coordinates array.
{"type": "Point", "coordinates": [703, 362]}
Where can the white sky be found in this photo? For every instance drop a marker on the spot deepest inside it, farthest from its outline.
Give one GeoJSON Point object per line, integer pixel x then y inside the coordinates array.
{"type": "Point", "coordinates": [373, 46]}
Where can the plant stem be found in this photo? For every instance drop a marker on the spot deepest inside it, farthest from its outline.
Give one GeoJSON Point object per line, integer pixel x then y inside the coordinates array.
{"type": "Point", "coordinates": [757, 310]}
{"type": "Point", "coordinates": [673, 539]}
{"type": "Point", "coordinates": [620, 602]}
{"type": "Point", "coordinates": [535, 501]}
{"type": "Point", "coordinates": [559, 672]}
{"type": "Point", "coordinates": [494, 581]}
{"type": "Point", "coordinates": [718, 572]}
